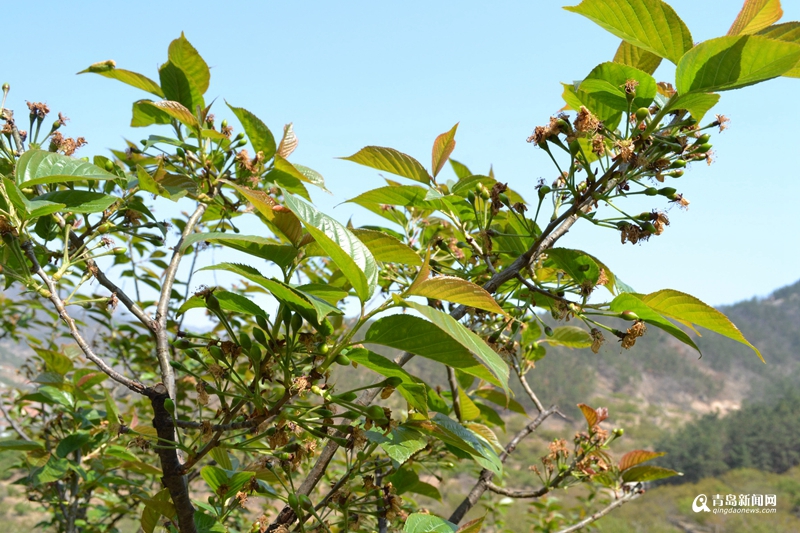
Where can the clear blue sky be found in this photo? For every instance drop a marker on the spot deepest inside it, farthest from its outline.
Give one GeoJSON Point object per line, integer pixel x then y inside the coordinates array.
{"type": "Point", "coordinates": [350, 74]}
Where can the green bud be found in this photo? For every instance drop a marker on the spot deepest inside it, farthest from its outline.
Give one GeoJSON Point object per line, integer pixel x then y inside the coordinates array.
{"type": "Point", "coordinates": [342, 359]}
{"type": "Point", "coordinates": [375, 412]}
{"type": "Point", "coordinates": [361, 456]}
{"type": "Point", "coordinates": [504, 199]}
{"type": "Point", "coordinates": [241, 143]}
{"type": "Point", "coordinates": [675, 174]}
{"type": "Point", "coordinates": [293, 501]}
{"type": "Point", "coordinates": [297, 322]}
{"type": "Point", "coordinates": [316, 390]}
{"type": "Point", "coordinates": [255, 352]}
{"type": "Point", "coordinates": [305, 502]}
{"type": "Point", "coordinates": [347, 396]}
{"type": "Point", "coordinates": [678, 163]}
{"type": "Point", "coordinates": [667, 191]}
{"type": "Point", "coordinates": [563, 125]}
{"type": "Point", "coordinates": [483, 191]}
{"type": "Point", "coordinates": [642, 113]}
{"type": "Point", "coordinates": [119, 250]}
{"type": "Point", "coordinates": [618, 432]}
{"type": "Point", "coordinates": [703, 148]}
{"type": "Point", "coordinates": [350, 415]}
{"type": "Point", "coordinates": [56, 125]}
{"type": "Point", "coordinates": [260, 336]}
{"type": "Point", "coordinates": [224, 123]}
{"type": "Point", "coordinates": [262, 322]}
{"type": "Point", "coordinates": [544, 189]}
{"type": "Point", "coordinates": [703, 139]}
{"type": "Point", "coordinates": [574, 147]}
{"type": "Point", "coordinates": [216, 352]}
{"type": "Point", "coordinates": [182, 344]}
{"type": "Point", "coordinates": [651, 191]}
{"type": "Point", "coordinates": [548, 331]}
{"type": "Point", "coordinates": [471, 197]}
{"type": "Point", "coordinates": [324, 413]}
{"type": "Point", "coordinates": [239, 136]}
{"type": "Point", "coordinates": [212, 303]}
{"type": "Point", "coordinates": [628, 315]}
{"type": "Point", "coordinates": [393, 381]}
{"type": "Point", "coordinates": [323, 348]}
{"type": "Point", "coordinates": [191, 353]}
{"type": "Point", "coordinates": [6, 88]}
{"type": "Point", "coordinates": [649, 227]}
{"type": "Point", "coordinates": [245, 342]}
{"type": "Point", "coordinates": [169, 405]}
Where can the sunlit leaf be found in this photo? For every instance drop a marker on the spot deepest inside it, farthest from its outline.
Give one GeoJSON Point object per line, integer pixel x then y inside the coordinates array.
{"type": "Point", "coordinates": [175, 110]}
{"type": "Point", "coordinates": [38, 167]}
{"type": "Point", "coordinates": [134, 79]}
{"type": "Point", "coordinates": [727, 63]}
{"type": "Point", "coordinates": [442, 148]}
{"type": "Point", "coordinates": [649, 24]}
{"type": "Point", "coordinates": [647, 473]}
{"type": "Point", "coordinates": [755, 16]}
{"type": "Point", "coordinates": [456, 290]}
{"type": "Point", "coordinates": [391, 160]}
{"type": "Point", "coordinates": [633, 56]}
{"type": "Point", "coordinates": [570, 337]}
{"type": "Point", "coordinates": [262, 247]}
{"type": "Point", "coordinates": [788, 32]}
{"type": "Point", "coordinates": [637, 457]}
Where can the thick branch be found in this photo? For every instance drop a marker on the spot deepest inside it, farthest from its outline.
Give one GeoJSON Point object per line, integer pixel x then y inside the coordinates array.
{"type": "Point", "coordinates": [58, 303]}
{"type": "Point", "coordinates": [631, 495]}
{"type": "Point", "coordinates": [486, 475]}
{"type": "Point", "coordinates": [162, 342]}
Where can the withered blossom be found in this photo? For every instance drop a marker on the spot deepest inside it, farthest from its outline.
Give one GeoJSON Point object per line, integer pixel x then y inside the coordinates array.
{"type": "Point", "coordinates": [586, 122]}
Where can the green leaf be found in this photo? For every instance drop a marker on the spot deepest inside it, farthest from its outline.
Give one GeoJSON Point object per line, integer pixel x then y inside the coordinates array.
{"type": "Point", "coordinates": [686, 308]}
{"type": "Point", "coordinates": [222, 458]}
{"type": "Point", "coordinates": [80, 201]}
{"type": "Point", "coordinates": [697, 104]}
{"type": "Point", "coordinates": [633, 56]}
{"type": "Point", "coordinates": [570, 337]}
{"type": "Point", "coordinates": [348, 253]}
{"type": "Point", "coordinates": [649, 24]}
{"type": "Point", "coordinates": [280, 254]}
{"type": "Point", "coordinates": [145, 114]}
{"type": "Point", "coordinates": [178, 88]}
{"type": "Point", "coordinates": [487, 457]}
{"type": "Point", "coordinates": [427, 523]}
{"type": "Point", "coordinates": [73, 442]}
{"type": "Point", "coordinates": [456, 290]}
{"type": "Point", "coordinates": [578, 265]}
{"type": "Point", "coordinates": [184, 56]}
{"type": "Point", "coordinates": [603, 90]}
{"type": "Point", "coordinates": [468, 340]}
{"type": "Point", "coordinates": [55, 361]}
{"type": "Point", "coordinates": [443, 146]}
{"type": "Point", "coordinates": [629, 301]}
{"type": "Point", "coordinates": [469, 411]}
{"type": "Point", "coordinates": [133, 79]}
{"type": "Point", "coordinates": [326, 293]}
{"type": "Point", "coordinates": [420, 337]}
{"type": "Point", "coordinates": [53, 470]}
{"type": "Point", "coordinates": [461, 170]}
{"type": "Point", "coordinates": [755, 16]}
{"type": "Point", "coordinates": [637, 457]}
{"type": "Point", "coordinates": [300, 172]}
{"type": "Point", "coordinates": [727, 63]}
{"type": "Point", "coordinates": [56, 396]}
{"type": "Point", "coordinates": [228, 301]}
{"type": "Point", "coordinates": [391, 160]}
{"type": "Point", "coordinates": [402, 195]}
{"type": "Point", "coordinates": [258, 132]}
{"type": "Point", "coordinates": [386, 248]}
{"type": "Point", "coordinates": [38, 167]}
{"type": "Point", "coordinates": [498, 398]}
{"type": "Point", "coordinates": [410, 386]}
{"type": "Point", "coordinates": [175, 110]}
{"type": "Point", "coordinates": [208, 524]}
{"type": "Point", "coordinates": [400, 444]}
{"type": "Point", "coordinates": [159, 504]}
{"type": "Point", "coordinates": [647, 473]}
{"type": "Point", "coordinates": [214, 476]}
{"type": "Point", "coordinates": [312, 309]}
{"type": "Point", "coordinates": [22, 445]}
{"type": "Point", "coordinates": [788, 32]}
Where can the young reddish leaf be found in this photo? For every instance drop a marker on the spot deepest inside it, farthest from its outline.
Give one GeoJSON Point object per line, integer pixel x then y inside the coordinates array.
{"type": "Point", "coordinates": [755, 16]}
{"type": "Point", "coordinates": [442, 148]}
{"type": "Point", "coordinates": [593, 416]}
{"type": "Point", "coordinates": [277, 216]}
{"type": "Point", "coordinates": [633, 56]}
{"type": "Point", "coordinates": [391, 160]}
{"type": "Point", "coordinates": [636, 457]}
{"type": "Point", "coordinates": [649, 24]}
{"type": "Point", "coordinates": [647, 473]}
{"type": "Point", "coordinates": [456, 290]}
{"type": "Point", "coordinates": [289, 141]}
{"type": "Point", "coordinates": [473, 526]}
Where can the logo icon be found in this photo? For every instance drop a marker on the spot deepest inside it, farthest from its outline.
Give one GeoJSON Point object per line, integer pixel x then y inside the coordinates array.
{"type": "Point", "coordinates": [699, 504]}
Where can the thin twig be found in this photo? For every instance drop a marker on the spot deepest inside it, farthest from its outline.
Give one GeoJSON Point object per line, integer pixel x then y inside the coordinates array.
{"type": "Point", "coordinates": [486, 475]}
{"type": "Point", "coordinates": [53, 296]}
{"type": "Point", "coordinates": [14, 425]}
{"type": "Point", "coordinates": [528, 390]}
{"type": "Point", "coordinates": [162, 342]}
{"type": "Point", "coordinates": [634, 493]}
{"type": "Point", "coordinates": [451, 378]}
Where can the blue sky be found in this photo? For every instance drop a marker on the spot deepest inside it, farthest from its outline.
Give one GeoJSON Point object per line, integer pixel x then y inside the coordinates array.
{"type": "Point", "coordinates": [398, 74]}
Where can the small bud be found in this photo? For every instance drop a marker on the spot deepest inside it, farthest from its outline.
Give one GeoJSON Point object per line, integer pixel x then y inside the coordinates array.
{"type": "Point", "coordinates": [342, 359]}
{"type": "Point", "coordinates": [642, 113]}
{"type": "Point", "coordinates": [239, 137]}
{"type": "Point", "coordinates": [703, 148]}
{"type": "Point", "coordinates": [628, 315]}
{"type": "Point", "coordinates": [678, 163]}
{"type": "Point", "coordinates": [703, 139]}
{"type": "Point", "coordinates": [618, 432]}
{"type": "Point", "coordinates": [544, 190]}
{"type": "Point", "coordinates": [651, 191]}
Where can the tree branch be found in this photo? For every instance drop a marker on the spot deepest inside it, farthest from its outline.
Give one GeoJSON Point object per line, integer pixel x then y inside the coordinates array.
{"type": "Point", "coordinates": [451, 378]}
{"type": "Point", "coordinates": [528, 390]}
{"type": "Point", "coordinates": [162, 342]}
{"type": "Point", "coordinates": [13, 423]}
{"type": "Point", "coordinates": [58, 303]}
{"type": "Point", "coordinates": [486, 476]}
{"type": "Point", "coordinates": [634, 493]}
